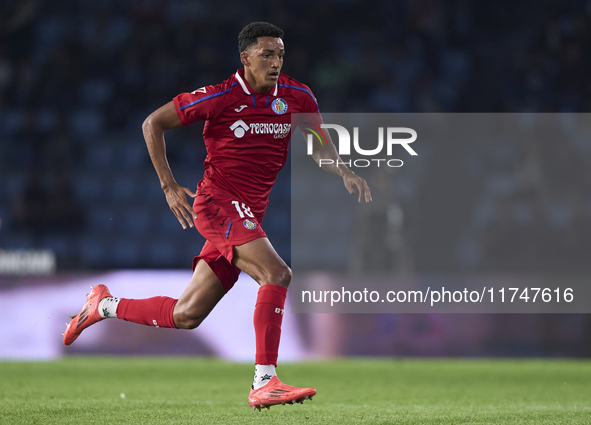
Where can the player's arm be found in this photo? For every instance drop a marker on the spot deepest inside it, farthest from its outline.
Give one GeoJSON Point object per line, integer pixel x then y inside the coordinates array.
{"type": "Point", "coordinates": [162, 119]}
{"type": "Point", "coordinates": [355, 185]}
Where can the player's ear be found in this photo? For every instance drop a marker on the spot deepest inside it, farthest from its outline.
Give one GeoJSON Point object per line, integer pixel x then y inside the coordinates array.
{"type": "Point", "coordinates": [244, 59]}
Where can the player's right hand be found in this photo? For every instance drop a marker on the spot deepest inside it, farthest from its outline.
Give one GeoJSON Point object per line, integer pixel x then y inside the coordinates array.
{"type": "Point", "coordinates": [176, 196]}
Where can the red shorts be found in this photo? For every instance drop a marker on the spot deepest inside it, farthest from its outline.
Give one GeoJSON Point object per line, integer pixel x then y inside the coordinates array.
{"type": "Point", "coordinates": [225, 222]}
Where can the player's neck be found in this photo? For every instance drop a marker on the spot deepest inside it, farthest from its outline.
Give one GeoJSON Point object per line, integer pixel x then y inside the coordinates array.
{"type": "Point", "coordinates": [259, 88]}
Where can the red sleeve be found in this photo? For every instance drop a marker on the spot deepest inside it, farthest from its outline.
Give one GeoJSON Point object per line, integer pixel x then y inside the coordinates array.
{"type": "Point", "coordinates": [309, 104]}
{"type": "Point", "coordinates": [311, 113]}
{"type": "Point", "coordinates": [201, 104]}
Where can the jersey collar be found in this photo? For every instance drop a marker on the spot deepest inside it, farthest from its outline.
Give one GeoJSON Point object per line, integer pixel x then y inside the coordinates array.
{"type": "Point", "coordinates": [244, 84]}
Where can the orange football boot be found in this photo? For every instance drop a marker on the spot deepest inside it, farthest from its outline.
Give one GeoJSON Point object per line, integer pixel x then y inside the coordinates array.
{"type": "Point", "coordinates": [276, 392]}
{"type": "Point", "coordinates": [89, 314]}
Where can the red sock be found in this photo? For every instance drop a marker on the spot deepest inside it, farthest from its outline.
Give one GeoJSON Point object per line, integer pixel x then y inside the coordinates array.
{"type": "Point", "coordinates": [156, 311]}
{"type": "Point", "coordinates": [268, 315]}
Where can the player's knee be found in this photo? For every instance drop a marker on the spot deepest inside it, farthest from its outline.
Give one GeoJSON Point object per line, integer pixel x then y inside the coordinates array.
{"type": "Point", "coordinates": [186, 319]}
{"type": "Point", "coordinates": [280, 276]}
{"type": "Point", "coordinates": [287, 277]}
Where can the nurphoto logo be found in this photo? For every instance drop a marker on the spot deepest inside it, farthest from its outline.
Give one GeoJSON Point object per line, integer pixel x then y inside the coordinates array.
{"type": "Point", "coordinates": [344, 145]}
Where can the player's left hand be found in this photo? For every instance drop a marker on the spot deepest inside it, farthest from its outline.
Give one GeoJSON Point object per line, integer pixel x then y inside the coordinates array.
{"type": "Point", "coordinates": [357, 186]}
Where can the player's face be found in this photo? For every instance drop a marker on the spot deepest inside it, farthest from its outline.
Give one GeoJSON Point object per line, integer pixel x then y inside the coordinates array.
{"type": "Point", "coordinates": [262, 63]}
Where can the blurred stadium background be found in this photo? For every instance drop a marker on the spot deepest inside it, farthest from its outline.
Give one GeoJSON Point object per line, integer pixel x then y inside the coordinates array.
{"type": "Point", "coordinates": [77, 78]}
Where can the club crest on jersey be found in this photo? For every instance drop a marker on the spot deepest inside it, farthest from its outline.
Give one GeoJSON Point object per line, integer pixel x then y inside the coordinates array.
{"type": "Point", "coordinates": [279, 106]}
{"type": "Point", "coordinates": [249, 224]}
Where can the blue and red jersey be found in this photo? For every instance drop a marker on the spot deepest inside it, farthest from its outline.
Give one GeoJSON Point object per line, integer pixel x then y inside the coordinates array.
{"type": "Point", "coordinates": [246, 133]}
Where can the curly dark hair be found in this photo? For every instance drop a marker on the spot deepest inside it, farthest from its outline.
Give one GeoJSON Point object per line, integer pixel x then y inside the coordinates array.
{"type": "Point", "coordinates": [250, 33]}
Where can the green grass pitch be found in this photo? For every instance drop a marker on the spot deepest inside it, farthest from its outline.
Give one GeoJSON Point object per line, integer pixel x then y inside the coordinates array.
{"type": "Point", "coordinates": [170, 390]}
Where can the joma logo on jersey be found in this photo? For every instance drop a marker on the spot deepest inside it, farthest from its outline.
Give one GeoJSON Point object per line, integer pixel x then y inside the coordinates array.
{"type": "Point", "coordinates": [344, 144]}
{"type": "Point", "coordinates": [278, 130]}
